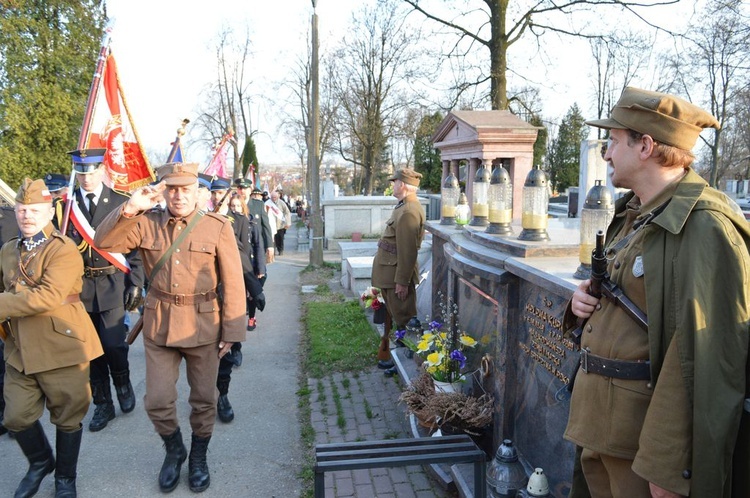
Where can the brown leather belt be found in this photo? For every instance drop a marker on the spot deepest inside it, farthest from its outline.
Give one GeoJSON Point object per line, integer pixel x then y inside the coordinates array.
{"type": "Point", "coordinates": [617, 369]}
{"type": "Point", "coordinates": [72, 298]}
{"type": "Point", "coordinates": [183, 299]}
{"type": "Point", "coordinates": [89, 272]}
{"type": "Point", "coordinates": [387, 246]}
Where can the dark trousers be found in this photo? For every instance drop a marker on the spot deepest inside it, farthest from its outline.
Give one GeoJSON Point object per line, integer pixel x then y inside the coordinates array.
{"type": "Point", "coordinates": [278, 240]}
{"type": "Point", "coordinates": [110, 326]}
{"type": "Point", "coordinates": [251, 307]}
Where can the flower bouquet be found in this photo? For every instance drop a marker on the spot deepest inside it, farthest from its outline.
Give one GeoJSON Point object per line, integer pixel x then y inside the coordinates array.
{"type": "Point", "coordinates": [372, 297]}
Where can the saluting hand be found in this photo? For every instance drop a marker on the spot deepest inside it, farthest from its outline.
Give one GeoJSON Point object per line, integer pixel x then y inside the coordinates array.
{"type": "Point", "coordinates": [143, 198]}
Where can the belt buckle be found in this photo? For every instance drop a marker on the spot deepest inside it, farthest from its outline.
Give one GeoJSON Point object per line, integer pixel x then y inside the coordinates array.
{"type": "Point", "coordinates": [585, 360]}
{"type": "Point", "coordinates": [179, 299]}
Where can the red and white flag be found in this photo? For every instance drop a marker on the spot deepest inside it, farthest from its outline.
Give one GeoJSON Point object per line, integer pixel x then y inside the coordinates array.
{"type": "Point", "coordinates": [112, 128]}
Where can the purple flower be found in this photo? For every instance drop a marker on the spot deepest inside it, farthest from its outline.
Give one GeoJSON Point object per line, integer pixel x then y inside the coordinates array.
{"type": "Point", "coordinates": [400, 334]}
{"type": "Point", "coordinates": [434, 325]}
{"type": "Point", "coordinates": [458, 356]}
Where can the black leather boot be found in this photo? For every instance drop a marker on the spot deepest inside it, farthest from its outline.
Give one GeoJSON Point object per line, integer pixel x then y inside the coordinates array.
{"type": "Point", "coordinates": [67, 445]}
{"type": "Point", "coordinates": [223, 406]}
{"type": "Point", "coordinates": [169, 476]}
{"type": "Point", "coordinates": [199, 478]}
{"type": "Point", "coordinates": [124, 390]}
{"type": "Point", "coordinates": [105, 409]}
{"type": "Point", "coordinates": [34, 444]}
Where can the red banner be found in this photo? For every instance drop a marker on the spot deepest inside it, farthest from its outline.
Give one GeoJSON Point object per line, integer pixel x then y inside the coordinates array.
{"type": "Point", "coordinates": [112, 128]}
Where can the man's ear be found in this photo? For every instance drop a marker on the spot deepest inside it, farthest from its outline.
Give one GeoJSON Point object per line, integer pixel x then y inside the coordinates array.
{"type": "Point", "coordinates": [647, 146]}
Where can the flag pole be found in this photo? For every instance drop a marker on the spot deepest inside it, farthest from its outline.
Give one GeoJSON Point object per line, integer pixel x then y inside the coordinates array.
{"type": "Point", "coordinates": [90, 104]}
{"type": "Point", "coordinates": [229, 135]}
{"type": "Point", "coordinates": [176, 145]}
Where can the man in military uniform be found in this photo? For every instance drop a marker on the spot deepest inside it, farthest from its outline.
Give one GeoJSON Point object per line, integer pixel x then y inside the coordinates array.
{"type": "Point", "coordinates": [394, 269]}
{"type": "Point", "coordinates": [49, 343]}
{"type": "Point", "coordinates": [657, 412]}
{"type": "Point", "coordinates": [186, 254]}
{"type": "Point", "coordinates": [112, 284]}
{"type": "Point", "coordinates": [257, 210]}
{"type": "Point", "coordinates": [8, 229]}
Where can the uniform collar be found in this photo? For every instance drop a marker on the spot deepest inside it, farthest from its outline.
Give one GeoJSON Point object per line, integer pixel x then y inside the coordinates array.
{"type": "Point", "coordinates": [30, 243]}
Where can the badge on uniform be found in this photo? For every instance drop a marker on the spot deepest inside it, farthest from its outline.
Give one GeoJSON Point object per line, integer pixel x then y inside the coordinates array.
{"type": "Point", "coordinates": [638, 267]}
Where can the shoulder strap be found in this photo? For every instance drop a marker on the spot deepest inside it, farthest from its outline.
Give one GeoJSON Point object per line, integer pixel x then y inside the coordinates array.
{"type": "Point", "coordinates": [175, 244]}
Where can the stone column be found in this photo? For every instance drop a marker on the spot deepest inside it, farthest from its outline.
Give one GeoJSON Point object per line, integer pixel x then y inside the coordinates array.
{"type": "Point", "coordinates": [474, 164]}
{"type": "Point", "coordinates": [446, 169]}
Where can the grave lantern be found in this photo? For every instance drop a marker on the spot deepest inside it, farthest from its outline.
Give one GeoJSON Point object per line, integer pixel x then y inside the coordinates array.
{"type": "Point", "coordinates": [597, 212]}
{"type": "Point", "coordinates": [505, 475]}
{"type": "Point", "coordinates": [534, 206]}
{"type": "Point", "coordinates": [480, 189]}
{"type": "Point", "coordinates": [500, 202]}
{"type": "Point", "coordinates": [463, 211]}
{"type": "Point", "coordinates": [449, 200]}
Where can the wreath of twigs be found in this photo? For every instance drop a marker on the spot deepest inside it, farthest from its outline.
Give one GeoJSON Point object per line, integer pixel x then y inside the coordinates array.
{"type": "Point", "coordinates": [467, 413]}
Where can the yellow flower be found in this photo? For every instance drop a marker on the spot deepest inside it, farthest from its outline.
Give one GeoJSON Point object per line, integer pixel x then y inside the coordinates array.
{"type": "Point", "coordinates": [431, 370]}
{"type": "Point", "coordinates": [423, 346]}
{"type": "Point", "coordinates": [434, 359]}
{"type": "Point", "coordinates": [443, 336]}
{"type": "Point", "coordinates": [467, 341]}
{"type": "Point", "coordinates": [427, 337]}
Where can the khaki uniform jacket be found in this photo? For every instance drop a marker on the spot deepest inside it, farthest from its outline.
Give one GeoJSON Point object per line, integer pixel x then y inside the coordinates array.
{"type": "Point", "coordinates": [696, 268]}
{"type": "Point", "coordinates": [45, 333]}
{"type": "Point", "coordinates": [207, 257]}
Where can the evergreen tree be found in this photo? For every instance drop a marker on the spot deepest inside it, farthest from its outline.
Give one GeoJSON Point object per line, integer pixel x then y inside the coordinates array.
{"type": "Point", "coordinates": [250, 156]}
{"type": "Point", "coordinates": [564, 154]}
{"type": "Point", "coordinates": [540, 145]}
{"type": "Point", "coordinates": [48, 52]}
{"type": "Point", "coordinates": [426, 157]}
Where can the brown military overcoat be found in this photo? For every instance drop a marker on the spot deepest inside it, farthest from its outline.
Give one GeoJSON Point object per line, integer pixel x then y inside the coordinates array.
{"type": "Point", "coordinates": [396, 259]}
{"type": "Point", "coordinates": [208, 256]}
{"type": "Point", "coordinates": [46, 333]}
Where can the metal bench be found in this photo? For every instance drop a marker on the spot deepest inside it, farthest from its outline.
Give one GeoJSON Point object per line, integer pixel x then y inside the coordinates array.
{"type": "Point", "coordinates": [399, 453]}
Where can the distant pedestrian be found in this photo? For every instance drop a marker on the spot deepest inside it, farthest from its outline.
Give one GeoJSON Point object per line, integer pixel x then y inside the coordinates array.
{"type": "Point", "coordinates": [186, 253]}
{"type": "Point", "coordinates": [394, 269]}
{"type": "Point", "coordinates": [49, 341]}
{"type": "Point", "coordinates": [284, 223]}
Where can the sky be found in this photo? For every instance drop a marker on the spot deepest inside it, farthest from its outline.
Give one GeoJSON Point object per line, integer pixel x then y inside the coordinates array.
{"type": "Point", "coordinates": [165, 55]}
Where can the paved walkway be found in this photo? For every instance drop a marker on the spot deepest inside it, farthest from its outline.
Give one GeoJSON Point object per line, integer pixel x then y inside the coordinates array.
{"type": "Point", "coordinates": [259, 453]}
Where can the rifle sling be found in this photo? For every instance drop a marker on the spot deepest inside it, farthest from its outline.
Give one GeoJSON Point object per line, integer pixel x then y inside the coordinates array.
{"type": "Point", "coordinates": [175, 244]}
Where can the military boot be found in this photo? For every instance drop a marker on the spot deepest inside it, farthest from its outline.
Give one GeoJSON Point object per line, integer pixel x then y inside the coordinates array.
{"type": "Point", "coordinates": [169, 476]}
{"type": "Point", "coordinates": [67, 444]}
{"type": "Point", "coordinates": [199, 477]}
{"type": "Point", "coordinates": [105, 409]}
{"type": "Point", "coordinates": [223, 406]}
{"type": "Point", "coordinates": [34, 444]}
{"type": "Point", "coordinates": [124, 390]}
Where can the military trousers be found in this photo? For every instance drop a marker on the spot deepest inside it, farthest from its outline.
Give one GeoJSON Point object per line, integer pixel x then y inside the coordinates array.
{"type": "Point", "coordinates": [401, 311]}
{"type": "Point", "coordinates": [612, 477]}
{"type": "Point", "coordinates": [65, 391]}
{"type": "Point", "coordinates": [162, 372]}
{"type": "Point", "coordinates": [112, 331]}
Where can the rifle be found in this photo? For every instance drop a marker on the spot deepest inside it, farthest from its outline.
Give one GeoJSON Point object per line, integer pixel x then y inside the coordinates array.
{"type": "Point", "coordinates": [135, 331]}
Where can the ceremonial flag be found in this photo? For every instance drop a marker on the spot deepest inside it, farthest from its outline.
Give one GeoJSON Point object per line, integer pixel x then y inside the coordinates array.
{"type": "Point", "coordinates": [111, 127]}
{"type": "Point", "coordinates": [250, 175]}
{"type": "Point", "coordinates": [218, 165]}
{"type": "Point", "coordinates": [175, 155]}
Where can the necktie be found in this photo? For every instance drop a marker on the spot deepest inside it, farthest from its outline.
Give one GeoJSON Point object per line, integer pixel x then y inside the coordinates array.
{"type": "Point", "coordinates": [92, 204]}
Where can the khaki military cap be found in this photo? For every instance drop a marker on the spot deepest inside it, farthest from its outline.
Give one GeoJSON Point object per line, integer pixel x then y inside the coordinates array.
{"type": "Point", "coordinates": [33, 192]}
{"type": "Point", "coordinates": [178, 174]}
{"type": "Point", "coordinates": [407, 175]}
{"type": "Point", "coordinates": [667, 119]}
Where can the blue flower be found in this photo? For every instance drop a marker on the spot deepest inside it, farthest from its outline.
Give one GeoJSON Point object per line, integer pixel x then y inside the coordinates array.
{"type": "Point", "coordinates": [400, 334]}
{"type": "Point", "coordinates": [457, 355]}
{"type": "Point", "coordinates": [434, 325]}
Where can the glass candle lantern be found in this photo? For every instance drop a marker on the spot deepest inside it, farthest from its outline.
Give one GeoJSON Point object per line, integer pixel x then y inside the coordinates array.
{"type": "Point", "coordinates": [449, 200]}
{"type": "Point", "coordinates": [505, 474]}
{"type": "Point", "coordinates": [597, 212]}
{"type": "Point", "coordinates": [500, 202]}
{"type": "Point", "coordinates": [463, 211]}
{"type": "Point", "coordinates": [479, 204]}
{"type": "Point", "coordinates": [534, 207]}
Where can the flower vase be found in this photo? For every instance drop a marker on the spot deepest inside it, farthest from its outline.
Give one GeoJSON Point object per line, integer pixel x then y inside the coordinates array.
{"type": "Point", "coordinates": [378, 316]}
{"type": "Point", "coordinates": [448, 387]}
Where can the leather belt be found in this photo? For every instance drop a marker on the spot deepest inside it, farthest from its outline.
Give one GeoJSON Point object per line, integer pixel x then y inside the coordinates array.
{"type": "Point", "coordinates": [617, 369]}
{"type": "Point", "coordinates": [387, 246]}
{"type": "Point", "coordinates": [89, 272]}
{"type": "Point", "coordinates": [72, 298]}
{"type": "Point", "coordinates": [183, 299]}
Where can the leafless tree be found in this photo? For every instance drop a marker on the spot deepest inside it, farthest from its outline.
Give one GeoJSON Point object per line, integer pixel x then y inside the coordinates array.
{"type": "Point", "coordinates": [711, 68]}
{"type": "Point", "coordinates": [374, 66]}
{"type": "Point", "coordinates": [496, 25]}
